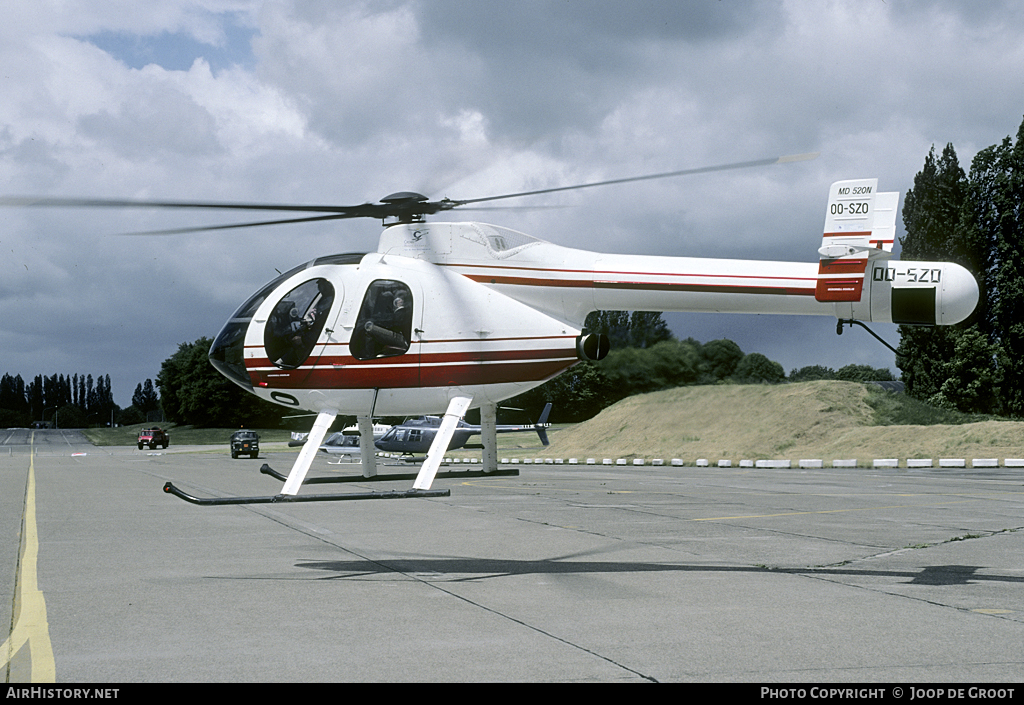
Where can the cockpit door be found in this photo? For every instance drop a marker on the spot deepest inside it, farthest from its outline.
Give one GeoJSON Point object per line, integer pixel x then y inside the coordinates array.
{"type": "Point", "coordinates": [300, 328]}
{"type": "Point", "coordinates": [385, 335]}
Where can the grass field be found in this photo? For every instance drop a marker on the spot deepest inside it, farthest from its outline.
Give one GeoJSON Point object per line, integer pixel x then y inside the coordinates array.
{"type": "Point", "coordinates": [825, 420]}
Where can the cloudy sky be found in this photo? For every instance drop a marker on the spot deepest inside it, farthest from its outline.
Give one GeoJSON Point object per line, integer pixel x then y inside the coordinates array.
{"type": "Point", "coordinates": [324, 101]}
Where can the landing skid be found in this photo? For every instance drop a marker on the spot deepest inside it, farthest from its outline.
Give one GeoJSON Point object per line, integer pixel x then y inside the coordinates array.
{"type": "Point", "coordinates": [282, 498]}
{"type": "Point", "coordinates": [454, 474]}
{"type": "Point", "coordinates": [457, 407]}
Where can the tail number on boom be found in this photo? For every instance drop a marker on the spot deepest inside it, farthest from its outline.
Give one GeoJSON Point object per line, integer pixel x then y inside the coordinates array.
{"type": "Point", "coordinates": [914, 275]}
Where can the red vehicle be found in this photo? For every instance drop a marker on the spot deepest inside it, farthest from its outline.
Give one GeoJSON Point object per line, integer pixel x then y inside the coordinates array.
{"type": "Point", "coordinates": [154, 437]}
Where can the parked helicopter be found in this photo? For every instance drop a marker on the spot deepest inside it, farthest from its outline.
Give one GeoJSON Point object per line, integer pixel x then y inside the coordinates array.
{"type": "Point", "coordinates": [417, 435]}
{"type": "Point", "coordinates": [454, 315]}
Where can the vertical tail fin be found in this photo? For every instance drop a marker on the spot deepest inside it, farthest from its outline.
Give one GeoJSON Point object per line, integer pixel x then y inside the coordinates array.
{"type": "Point", "coordinates": [860, 225]}
{"type": "Point", "coordinates": [542, 424]}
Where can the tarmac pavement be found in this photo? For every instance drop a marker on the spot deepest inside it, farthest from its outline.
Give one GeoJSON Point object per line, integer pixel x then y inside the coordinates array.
{"type": "Point", "coordinates": [562, 574]}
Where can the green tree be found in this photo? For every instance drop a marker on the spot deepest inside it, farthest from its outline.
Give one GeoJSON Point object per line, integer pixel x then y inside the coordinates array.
{"type": "Point", "coordinates": [756, 368]}
{"type": "Point", "coordinates": [931, 214]}
{"type": "Point", "coordinates": [720, 358]}
{"type": "Point", "coordinates": [670, 363]}
{"type": "Point", "coordinates": [145, 398]}
{"type": "Point", "coordinates": [811, 373]}
{"type": "Point", "coordinates": [864, 373]}
{"type": "Point", "coordinates": [71, 416]}
{"type": "Point", "coordinates": [647, 329]}
{"type": "Point", "coordinates": [577, 394]}
{"type": "Point", "coordinates": [193, 392]}
{"type": "Point", "coordinates": [996, 203]}
{"type": "Point", "coordinates": [943, 216]}
{"type": "Point", "coordinates": [625, 329]}
{"type": "Point", "coordinates": [970, 383]}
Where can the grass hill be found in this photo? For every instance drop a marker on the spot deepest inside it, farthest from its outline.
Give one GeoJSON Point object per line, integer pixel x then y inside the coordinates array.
{"type": "Point", "coordinates": [824, 419]}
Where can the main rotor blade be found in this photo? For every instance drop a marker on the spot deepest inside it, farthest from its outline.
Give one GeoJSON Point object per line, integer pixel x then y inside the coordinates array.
{"type": "Point", "coordinates": [344, 211]}
{"type": "Point", "coordinates": [663, 175]}
{"type": "Point", "coordinates": [232, 226]}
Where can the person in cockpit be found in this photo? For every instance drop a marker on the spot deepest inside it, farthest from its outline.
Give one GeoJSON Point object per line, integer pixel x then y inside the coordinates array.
{"type": "Point", "coordinates": [385, 324]}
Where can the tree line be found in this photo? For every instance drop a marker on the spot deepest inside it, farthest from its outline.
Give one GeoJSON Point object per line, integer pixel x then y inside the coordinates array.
{"type": "Point", "coordinates": [975, 219]}
{"type": "Point", "coordinates": [71, 401]}
{"type": "Point", "coordinates": [68, 400]}
{"type": "Point", "coordinates": [646, 357]}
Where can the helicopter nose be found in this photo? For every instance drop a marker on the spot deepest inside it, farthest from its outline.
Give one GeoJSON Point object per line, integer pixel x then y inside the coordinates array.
{"type": "Point", "coordinates": [226, 353]}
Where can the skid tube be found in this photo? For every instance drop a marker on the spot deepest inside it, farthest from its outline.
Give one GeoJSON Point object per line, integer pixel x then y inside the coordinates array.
{"type": "Point", "coordinates": [284, 498]}
{"type": "Point", "coordinates": [454, 474]}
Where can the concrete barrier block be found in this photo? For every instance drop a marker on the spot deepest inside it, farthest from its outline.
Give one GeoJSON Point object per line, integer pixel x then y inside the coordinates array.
{"type": "Point", "coordinates": [845, 463]}
{"type": "Point", "coordinates": [638, 461]}
{"type": "Point", "coordinates": [1014, 463]}
{"type": "Point", "coordinates": [985, 463]}
{"type": "Point", "coordinates": [811, 463]}
{"type": "Point", "coordinates": [886, 463]}
{"type": "Point", "coordinates": [702, 462]}
{"type": "Point", "coordinates": [725, 463]}
{"type": "Point", "coordinates": [657, 461]}
{"type": "Point", "coordinates": [677, 462]}
{"type": "Point", "coordinates": [746, 463]}
{"type": "Point", "coordinates": [952, 463]}
{"type": "Point", "coordinates": [919, 462]}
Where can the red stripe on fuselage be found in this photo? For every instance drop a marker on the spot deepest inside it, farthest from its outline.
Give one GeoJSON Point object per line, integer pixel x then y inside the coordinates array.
{"type": "Point", "coordinates": [420, 368]}
{"type": "Point", "coordinates": [595, 282]}
{"type": "Point", "coordinates": [396, 376]}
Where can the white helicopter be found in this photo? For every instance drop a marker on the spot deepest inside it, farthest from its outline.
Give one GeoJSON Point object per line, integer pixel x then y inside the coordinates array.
{"type": "Point", "coordinates": [456, 315]}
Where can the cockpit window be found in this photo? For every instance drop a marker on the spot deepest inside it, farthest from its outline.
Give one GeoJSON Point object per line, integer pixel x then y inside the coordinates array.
{"type": "Point", "coordinates": [384, 326]}
{"type": "Point", "coordinates": [296, 322]}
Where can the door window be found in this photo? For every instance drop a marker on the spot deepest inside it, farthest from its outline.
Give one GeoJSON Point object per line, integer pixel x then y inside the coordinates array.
{"type": "Point", "coordinates": [384, 325]}
{"type": "Point", "coordinates": [296, 323]}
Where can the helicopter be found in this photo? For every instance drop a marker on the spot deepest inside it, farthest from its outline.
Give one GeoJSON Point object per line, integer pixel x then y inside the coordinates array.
{"type": "Point", "coordinates": [417, 435]}
{"type": "Point", "coordinates": [458, 315]}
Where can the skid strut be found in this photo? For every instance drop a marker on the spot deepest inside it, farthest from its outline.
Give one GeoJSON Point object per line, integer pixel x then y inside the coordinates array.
{"type": "Point", "coordinates": [282, 498]}
{"type": "Point", "coordinates": [457, 407]}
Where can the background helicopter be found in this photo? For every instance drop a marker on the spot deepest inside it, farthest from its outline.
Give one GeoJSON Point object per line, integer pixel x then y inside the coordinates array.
{"type": "Point", "coordinates": [459, 315]}
{"type": "Point", "coordinates": [417, 435]}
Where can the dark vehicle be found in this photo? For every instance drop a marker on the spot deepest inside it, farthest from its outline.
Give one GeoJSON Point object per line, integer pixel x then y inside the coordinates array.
{"type": "Point", "coordinates": [154, 437]}
{"type": "Point", "coordinates": [245, 442]}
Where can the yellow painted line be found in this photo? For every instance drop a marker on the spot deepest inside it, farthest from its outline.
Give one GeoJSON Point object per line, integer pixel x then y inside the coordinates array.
{"type": "Point", "coordinates": [30, 625]}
